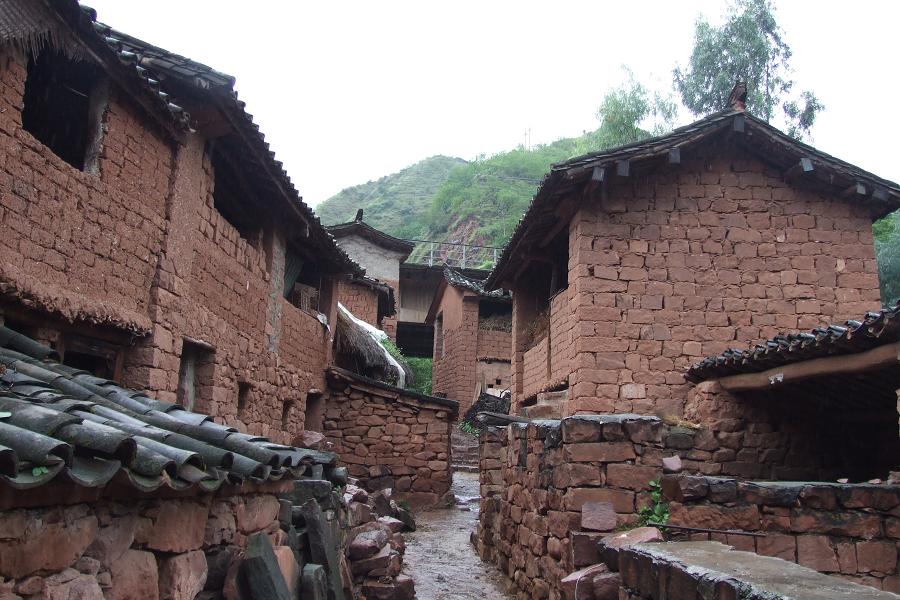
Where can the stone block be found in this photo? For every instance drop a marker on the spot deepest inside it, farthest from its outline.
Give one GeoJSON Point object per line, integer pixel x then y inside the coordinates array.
{"type": "Point", "coordinates": [177, 526]}
{"type": "Point", "coordinates": [54, 541]}
{"type": "Point", "coordinates": [598, 516]}
{"type": "Point", "coordinates": [816, 552]}
{"type": "Point", "coordinates": [135, 576]}
{"type": "Point", "coordinates": [584, 547]}
{"type": "Point", "coordinates": [259, 574]}
{"type": "Point", "coordinates": [876, 556]}
{"type": "Point", "coordinates": [183, 576]}
{"type": "Point", "coordinates": [599, 452]}
{"type": "Point", "coordinates": [314, 583]}
{"type": "Point", "coordinates": [612, 545]}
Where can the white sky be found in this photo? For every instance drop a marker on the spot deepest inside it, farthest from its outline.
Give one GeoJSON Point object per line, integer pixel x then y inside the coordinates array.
{"type": "Point", "coordinates": [347, 91]}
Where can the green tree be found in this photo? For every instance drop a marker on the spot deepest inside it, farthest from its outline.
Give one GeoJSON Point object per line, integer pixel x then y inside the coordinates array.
{"type": "Point", "coordinates": [887, 254]}
{"type": "Point", "coordinates": [748, 47]}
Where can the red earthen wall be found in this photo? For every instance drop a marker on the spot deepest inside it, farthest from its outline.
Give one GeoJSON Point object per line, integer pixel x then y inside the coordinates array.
{"type": "Point", "coordinates": [360, 300]}
{"type": "Point", "coordinates": [453, 369]}
{"type": "Point", "coordinates": [141, 249]}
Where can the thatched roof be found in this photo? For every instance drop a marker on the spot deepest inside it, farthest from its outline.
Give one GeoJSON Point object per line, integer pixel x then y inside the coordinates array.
{"type": "Point", "coordinates": [357, 350]}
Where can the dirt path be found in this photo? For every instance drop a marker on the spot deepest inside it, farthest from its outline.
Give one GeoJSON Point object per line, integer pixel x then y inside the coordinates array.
{"type": "Point", "coordinates": [439, 556]}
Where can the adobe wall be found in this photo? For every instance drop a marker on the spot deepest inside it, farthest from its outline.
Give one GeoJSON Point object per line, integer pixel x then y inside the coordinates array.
{"type": "Point", "coordinates": [716, 252]}
{"type": "Point", "coordinates": [848, 530]}
{"type": "Point", "coordinates": [454, 365]}
{"type": "Point", "coordinates": [391, 438]}
{"type": "Point", "coordinates": [78, 244]}
{"type": "Point", "coordinates": [360, 300]}
{"type": "Point", "coordinates": [141, 249]}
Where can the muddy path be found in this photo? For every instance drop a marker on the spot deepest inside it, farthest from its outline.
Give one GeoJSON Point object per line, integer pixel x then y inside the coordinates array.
{"type": "Point", "coordinates": [439, 556]}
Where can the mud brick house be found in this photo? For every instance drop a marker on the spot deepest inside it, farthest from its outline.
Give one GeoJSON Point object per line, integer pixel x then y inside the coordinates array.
{"type": "Point", "coordinates": [380, 255]}
{"type": "Point", "coordinates": [471, 339]}
{"type": "Point", "coordinates": [634, 262]}
{"type": "Point", "coordinates": [148, 232]}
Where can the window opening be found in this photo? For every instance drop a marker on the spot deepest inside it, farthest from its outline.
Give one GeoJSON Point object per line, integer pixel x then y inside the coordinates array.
{"type": "Point", "coordinates": [98, 357]}
{"type": "Point", "coordinates": [286, 414]}
{"type": "Point", "coordinates": [60, 107]}
{"type": "Point", "coordinates": [243, 398]}
{"type": "Point", "coordinates": [231, 198]}
{"type": "Point", "coordinates": [194, 375]}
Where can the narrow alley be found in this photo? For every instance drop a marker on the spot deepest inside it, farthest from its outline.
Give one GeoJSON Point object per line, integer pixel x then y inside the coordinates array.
{"type": "Point", "coordinates": [439, 555]}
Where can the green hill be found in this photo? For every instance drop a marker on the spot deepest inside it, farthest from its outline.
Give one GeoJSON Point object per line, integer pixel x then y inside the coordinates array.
{"type": "Point", "coordinates": [396, 204]}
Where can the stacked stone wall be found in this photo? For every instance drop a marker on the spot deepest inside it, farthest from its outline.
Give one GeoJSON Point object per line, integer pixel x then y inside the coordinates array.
{"type": "Point", "coordinates": [494, 344]}
{"type": "Point", "coordinates": [691, 259]}
{"type": "Point", "coordinates": [848, 530]}
{"type": "Point", "coordinates": [390, 438]}
{"type": "Point", "coordinates": [136, 548]}
{"type": "Point", "coordinates": [536, 479]}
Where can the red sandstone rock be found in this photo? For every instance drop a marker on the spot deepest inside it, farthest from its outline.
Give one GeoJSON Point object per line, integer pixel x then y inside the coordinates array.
{"type": "Point", "coordinates": [255, 513]}
{"type": "Point", "coordinates": [309, 439]}
{"type": "Point", "coordinates": [876, 556]}
{"type": "Point", "coordinates": [53, 542]}
{"type": "Point", "coordinates": [672, 464]}
{"type": "Point", "coordinates": [134, 577]}
{"type": "Point", "coordinates": [182, 577]}
{"type": "Point", "coordinates": [598, 516]}
{"type": "Point", "coordinates": [402, 588]}
{"type": "Point", "coordinates": [816, 552]}
{"type": "Point", "coordinates": [290, 570]}
{"type": "Point", "coordinates": [606, 586]}
{"type": "Point", "coordinates": [81, 587]}
{"type": "Point", "coordinates": [178, 526]}
{"type": "Point", "coordinates": [395, 525]}
{"type": "Point", "coordinates": [612, 544]}
{"type": "Point", "coordinates": [579, 584]}
{"type": "Point", "coordinates": [367, 544]}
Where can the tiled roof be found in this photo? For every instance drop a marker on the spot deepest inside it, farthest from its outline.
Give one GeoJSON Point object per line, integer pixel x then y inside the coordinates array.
{"type": "Point", "coordinates": [58, 423]}
{"type": "Point", "coordinates": [875, 329]}
{"type": "Point", "coordinates": [774, 146]}
{"type": "Point", "coordinates": [376, 236]}
{"type": "Point", "coordinates": [457, 279]}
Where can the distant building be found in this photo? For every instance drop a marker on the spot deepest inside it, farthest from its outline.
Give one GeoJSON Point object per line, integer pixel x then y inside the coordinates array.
{"type": "Point", "coordinates": [472, 339]}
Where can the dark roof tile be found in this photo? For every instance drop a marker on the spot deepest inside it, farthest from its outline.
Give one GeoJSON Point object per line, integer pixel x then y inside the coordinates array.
{"type": "Point", "coordinates": [66, 423]}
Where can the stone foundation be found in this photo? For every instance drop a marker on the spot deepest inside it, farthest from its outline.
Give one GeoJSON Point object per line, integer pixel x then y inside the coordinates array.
{"type": "Point", "coordinates": [851, 530]}
{"type": "Point", "coordinates": [552, 489]}
{"type": "Point", "coordinates": [390, 437]}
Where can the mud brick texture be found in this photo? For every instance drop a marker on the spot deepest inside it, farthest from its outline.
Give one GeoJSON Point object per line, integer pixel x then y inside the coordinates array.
{"type": "Point", "coordinates": [361, 301]}
{"type": "Point", "coordinates": [138, 255]}
{"type": "Point", "coordinates": [465, 354]}
{"type": "Point", "coordinates": [536, 478]}
{"type": "Point", "coordinates": [848, 530]}
{"type": "Point", "coordinates": [684, 262]}
{"type": "Point", "coordinates": [391, 438]}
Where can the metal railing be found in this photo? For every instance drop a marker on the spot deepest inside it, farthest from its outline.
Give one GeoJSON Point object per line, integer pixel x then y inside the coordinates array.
{"type": "Point", "coordinates": [454, 254]}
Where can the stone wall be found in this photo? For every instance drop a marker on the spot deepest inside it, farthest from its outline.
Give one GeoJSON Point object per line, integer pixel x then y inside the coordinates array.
{"type": "Point", "coordinates": [849, 530]}
{"type": "Point", "coordinates": [551, 489]}
{"type": "Point", "coordinates": [390, 437]}
{"type": "Point", "coordinates": [134, 548]}
{"type": "Point", "coordinates": [713, 571]}
{"type": "Point", "coordinates": [493, 344]}
{"type": "Point", "coordinates": [716, 252]}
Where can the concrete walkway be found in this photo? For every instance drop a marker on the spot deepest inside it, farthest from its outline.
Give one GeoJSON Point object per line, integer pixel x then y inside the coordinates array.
{"type": "Point", "coordinates": [439, 556]}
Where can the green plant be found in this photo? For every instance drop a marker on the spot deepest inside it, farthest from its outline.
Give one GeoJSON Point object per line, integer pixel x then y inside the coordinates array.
{"type": "Point", "coordinates": [420, 368]}
{"type": "Point", "coordinates": [656, 513]}
{"type": "Point", "coordinates": [468, 428]}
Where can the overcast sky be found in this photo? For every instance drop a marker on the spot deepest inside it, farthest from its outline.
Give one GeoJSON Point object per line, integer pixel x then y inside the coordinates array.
{"type": "Point", "coordinates": [347, 92]}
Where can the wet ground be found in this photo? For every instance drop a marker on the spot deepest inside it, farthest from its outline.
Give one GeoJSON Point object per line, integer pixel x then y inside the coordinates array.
{"type": "Point", "coordinates": [439, 556]}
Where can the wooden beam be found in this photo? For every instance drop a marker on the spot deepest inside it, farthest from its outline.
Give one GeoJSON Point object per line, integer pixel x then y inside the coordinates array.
{"type": "Point", "coordinates": [877, 358]}
{"type": "Point", "coordinates": [675, 156]}
{"type": "Point", "coordinates": [857, 189]}
{"type": "Point", "coordinates": [622, 168]}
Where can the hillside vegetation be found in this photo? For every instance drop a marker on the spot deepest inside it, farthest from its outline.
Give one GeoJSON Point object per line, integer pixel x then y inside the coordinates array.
{"type": "Point", "coordinates": [397, 203]}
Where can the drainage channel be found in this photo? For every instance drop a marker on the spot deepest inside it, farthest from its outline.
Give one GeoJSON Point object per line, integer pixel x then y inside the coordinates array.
{"type": "Point", "coordinates": [439, 556]}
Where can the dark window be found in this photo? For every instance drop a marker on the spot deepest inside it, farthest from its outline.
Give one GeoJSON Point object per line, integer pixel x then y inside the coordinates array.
{"type": "Point", "coordinates": [233, 198]}
{"type": "Point", "coordinates": [98, 357]}
{"type": "Point", "coordinates": [195, 375]}
{"type": "Point", "coordinates": [63, 107]}
{"type": "Point", "coordinates": [286, 414]}
{"type": "Point", "coordinates": [243, 397]}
